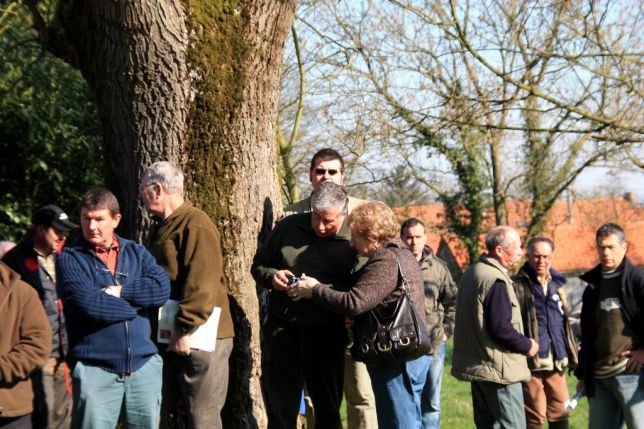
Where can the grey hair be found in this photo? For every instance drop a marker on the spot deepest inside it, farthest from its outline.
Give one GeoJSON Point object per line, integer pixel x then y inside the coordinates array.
{"type": "Point", "coordinates": [611, 229]}
{"type": "Point", "coordinates": [166, 174]}
{"type": "Point", "coordinates": [499, 236]}
{"type": "Point", "coordinates": [329, 196]}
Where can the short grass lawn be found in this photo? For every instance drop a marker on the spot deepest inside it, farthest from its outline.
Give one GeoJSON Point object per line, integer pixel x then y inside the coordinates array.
{"type": "Point", "coordinates": [456, 401]}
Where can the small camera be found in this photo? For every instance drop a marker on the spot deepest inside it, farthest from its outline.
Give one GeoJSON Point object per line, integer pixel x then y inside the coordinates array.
{"type": "Point", "coordinates": [292, 280]}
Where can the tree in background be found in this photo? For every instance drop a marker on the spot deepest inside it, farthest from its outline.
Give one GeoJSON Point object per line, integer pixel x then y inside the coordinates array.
{"type": "Point", "coordinates": [291, 106]}
{"type": "Point", "coordinates": [401, 189]}
{"type": "Point", "coordinates": [196, 83]}
{"type": "Point", "coordinates": [504, 100]}
{"type": "Point", "coordinates": [327, 115]}
{"type": "Point", "coordinates": [49, 129]}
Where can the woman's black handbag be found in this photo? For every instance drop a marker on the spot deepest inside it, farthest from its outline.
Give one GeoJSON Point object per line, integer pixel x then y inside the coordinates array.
{"type": "Point", "coordinates": [394, 334]}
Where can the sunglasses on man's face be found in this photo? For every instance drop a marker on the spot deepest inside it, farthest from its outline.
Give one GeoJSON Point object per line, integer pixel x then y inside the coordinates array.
{"type": "Point", "coordinates": [321, 171]}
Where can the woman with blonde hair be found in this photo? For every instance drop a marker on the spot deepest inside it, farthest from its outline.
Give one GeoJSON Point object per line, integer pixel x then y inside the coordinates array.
{"type": "Point", "coordinates": [374, 234]}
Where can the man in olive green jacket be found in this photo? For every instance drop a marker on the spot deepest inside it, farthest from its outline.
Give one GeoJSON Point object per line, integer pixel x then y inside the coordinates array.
{"type": "Point", "coordinates": [327, 165]}
{"type": "Point", "coordinates": [186, 244]}
{"type": "Point", "coordinates": [489, 346]}
{"type": "Point", "coordinates": [305, 343]}
{"type": "Point", "coordinates": [440, 309]}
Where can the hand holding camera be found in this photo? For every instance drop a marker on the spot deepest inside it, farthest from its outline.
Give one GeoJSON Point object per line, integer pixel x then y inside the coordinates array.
{"type": "Point", "coordinates": [293, 280]}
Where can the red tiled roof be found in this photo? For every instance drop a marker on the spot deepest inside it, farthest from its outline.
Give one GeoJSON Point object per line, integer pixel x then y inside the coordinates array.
{"type": "Point", "coordinates": [430, 214]}
{"type": "Point", "coordinates": [571, 225]}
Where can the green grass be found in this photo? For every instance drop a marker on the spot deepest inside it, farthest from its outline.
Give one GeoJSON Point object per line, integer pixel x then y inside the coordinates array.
{"type": "Point", "coordinates": [456, 401]}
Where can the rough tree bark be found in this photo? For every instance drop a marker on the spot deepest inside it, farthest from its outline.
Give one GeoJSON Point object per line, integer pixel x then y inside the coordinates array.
{"type": "Point", "coordinates": [195, 82]}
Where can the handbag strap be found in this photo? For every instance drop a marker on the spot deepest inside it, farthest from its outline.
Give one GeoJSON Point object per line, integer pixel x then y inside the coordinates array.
{"type": "Point", "coordinates": [404, 283]}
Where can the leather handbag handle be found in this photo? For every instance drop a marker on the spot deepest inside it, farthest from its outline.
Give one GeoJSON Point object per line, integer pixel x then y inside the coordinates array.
{"type": "Point", "coordinates": [405, 284]}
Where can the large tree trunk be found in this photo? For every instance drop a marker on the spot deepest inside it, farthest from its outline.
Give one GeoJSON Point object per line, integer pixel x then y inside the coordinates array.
{"type": "Point", "coordinates": [194, 82]}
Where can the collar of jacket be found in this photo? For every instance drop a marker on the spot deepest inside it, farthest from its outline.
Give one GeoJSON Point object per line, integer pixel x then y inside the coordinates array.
{"type": "Point", "coordinates": [530, 273]}
{"type": "Point", "coordinates": [394, 242]}
{"type": "Point", "coordinates": [490, 260]}
{"type": "Point", "coordinates": [593, 276]}
{"type": "Point", "coordinates": [427, 254]}
{"type": "Point", "coordinates": [8, 279]}
{"type": "Point", "coordinates": [186, 205]}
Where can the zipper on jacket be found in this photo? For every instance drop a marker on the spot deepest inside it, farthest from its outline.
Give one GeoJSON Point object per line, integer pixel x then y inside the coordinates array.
{"type": "Point", "coordinates": [127, 346]}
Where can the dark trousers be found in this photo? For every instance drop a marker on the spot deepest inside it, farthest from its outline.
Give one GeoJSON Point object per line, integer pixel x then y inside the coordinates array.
{"type": "Point", "coordinates": [199, 382]}
{"type": "Point", "coordinates": [295, 355]}
{"type": "Point", "coordinates": [498, 405]}
{"type": "Point", "coordinates": [53, 409]}
{"type": "Point", "coordinates": [22, 422]}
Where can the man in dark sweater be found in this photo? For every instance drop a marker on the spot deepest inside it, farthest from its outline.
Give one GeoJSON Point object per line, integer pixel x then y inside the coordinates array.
{"type": "Point", "coordinates": [34, 258]}
{"type": "Point", "coordinates": [612, 335]}
{"type": "Point", "coordinates": [440, 303]}
{"type": "Point", "coordinates": [305, 343]}
{"type": "Point", "coordinates": [327, 165]}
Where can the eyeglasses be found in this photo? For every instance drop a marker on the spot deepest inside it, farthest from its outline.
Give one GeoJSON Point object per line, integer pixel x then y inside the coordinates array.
{"type": "Point", "coordinates": [321, 171]}
{"type": "Point", "coordinates": [118, 277]}
{"type": "Point", "coordinates": [142, 187]}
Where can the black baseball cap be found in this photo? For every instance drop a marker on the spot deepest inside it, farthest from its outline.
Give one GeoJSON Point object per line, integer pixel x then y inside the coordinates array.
{"type": "Point", "coordinates": [51, 215]}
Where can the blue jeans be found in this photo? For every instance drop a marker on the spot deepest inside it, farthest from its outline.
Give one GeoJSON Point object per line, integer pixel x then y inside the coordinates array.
{"type": "Point", "coordinates": [430, 400]}
{"type": "Point", "coordinates": [618, 400]}
{"type": "Point", "coordinates": [397, 389]}
{"type": "Point", "coordinates": [101, 396]}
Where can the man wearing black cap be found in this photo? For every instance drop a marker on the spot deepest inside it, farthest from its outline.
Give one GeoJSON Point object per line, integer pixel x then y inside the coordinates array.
{"type": "Point", "coordinates": [34, 258]}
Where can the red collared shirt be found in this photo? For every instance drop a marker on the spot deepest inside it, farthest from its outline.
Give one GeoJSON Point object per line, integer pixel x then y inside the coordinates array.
{"type": "Point", "coordinates": [109, 254]}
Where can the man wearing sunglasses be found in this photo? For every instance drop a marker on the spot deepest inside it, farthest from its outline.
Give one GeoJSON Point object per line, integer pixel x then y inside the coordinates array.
{"type": "Point", "coordinates": [327, 165]}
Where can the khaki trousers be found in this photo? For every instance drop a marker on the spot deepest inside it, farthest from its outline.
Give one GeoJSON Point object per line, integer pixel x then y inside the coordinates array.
{"type": "Point", "coordinates": [361, 403]}
{"type": "Point", "coordinates": [544, 396]}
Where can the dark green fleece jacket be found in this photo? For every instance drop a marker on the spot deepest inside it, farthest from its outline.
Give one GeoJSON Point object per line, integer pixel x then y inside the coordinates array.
{"type": "Point", "coordinates": [293, 245]}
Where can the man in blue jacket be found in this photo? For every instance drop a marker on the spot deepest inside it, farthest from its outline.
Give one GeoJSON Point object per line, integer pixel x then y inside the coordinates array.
{"type": "Point", "coordinates": [108, 286]}
{"type": "Point", "coordinates": [544, 311]}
